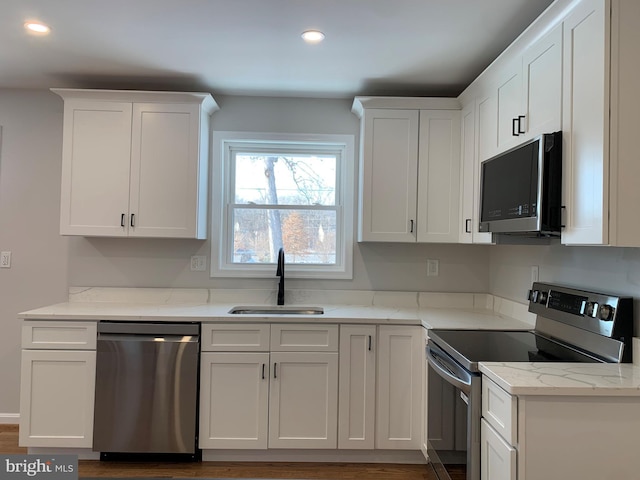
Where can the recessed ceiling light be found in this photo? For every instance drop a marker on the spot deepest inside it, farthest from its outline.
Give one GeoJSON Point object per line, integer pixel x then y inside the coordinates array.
{"type": "Point", "coordinates": [37, 28]}
{"type": "Point", "coordinates": [313, 36]}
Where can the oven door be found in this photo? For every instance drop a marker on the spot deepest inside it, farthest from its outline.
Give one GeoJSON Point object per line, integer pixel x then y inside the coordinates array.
{"type": "Point", "coordinates": [454, 411]}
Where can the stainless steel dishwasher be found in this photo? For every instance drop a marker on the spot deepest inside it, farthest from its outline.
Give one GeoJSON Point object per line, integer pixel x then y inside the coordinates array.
{"type": "Point", "coordinates": [147, 390]}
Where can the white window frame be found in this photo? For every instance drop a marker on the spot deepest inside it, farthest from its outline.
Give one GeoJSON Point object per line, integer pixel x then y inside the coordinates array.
{"type": "Point", "coordinates": [221, 174]}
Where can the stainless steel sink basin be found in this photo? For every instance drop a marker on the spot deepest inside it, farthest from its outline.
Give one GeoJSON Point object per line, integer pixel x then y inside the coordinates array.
{"type": "Point", "coordinates": [276, 310]}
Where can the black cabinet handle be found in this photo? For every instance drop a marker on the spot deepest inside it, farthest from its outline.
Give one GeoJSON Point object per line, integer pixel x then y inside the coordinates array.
{"type": "Point", "coordinates": [520, 122]}
{"type": "Point", "coordinates": [263, 371]}
{"type": "Point", "coordinates": [369, 342]}
{"type": "Point", "coordinates": [411, 223]}
{"type": "Point", "coordinates": [122, 220]}
{"type": "Point", "coordinates": [467, 225]}
{"type": "Point", "coordinates": [133, 223]}
{"type": "Point", "coordinates": [515, 128]}
{"type": "Point", "coordinates": [275, 370]}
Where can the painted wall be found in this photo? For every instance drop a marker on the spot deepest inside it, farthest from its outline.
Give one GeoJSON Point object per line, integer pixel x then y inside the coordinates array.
{"type": "Point", "coordinates": [45, 264]}
{"type": "Point", "coordinates": [29, 219]}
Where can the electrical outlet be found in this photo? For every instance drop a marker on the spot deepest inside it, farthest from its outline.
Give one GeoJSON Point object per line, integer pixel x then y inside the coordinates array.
{"type": "Point", "coordinates": [432, 267]}
{"type": "Point", "coordinates": [198, 263]}
{"type": "Point", "coordinates": [534, 273]}
{"type": "Point", "coordinates": [5, 259]}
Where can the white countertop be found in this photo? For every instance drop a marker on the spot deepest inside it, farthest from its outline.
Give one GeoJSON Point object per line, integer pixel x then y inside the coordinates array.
{"type": "Point", "coordinates": [578, 379]}
{"type": "Point", "coordinates": [427, 317]}
{"type": "Point", "coordinates": [431, 310]}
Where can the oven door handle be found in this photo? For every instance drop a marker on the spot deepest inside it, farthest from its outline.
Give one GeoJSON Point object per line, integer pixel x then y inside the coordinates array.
{"type": "Point", "coordinates": [452, 374]}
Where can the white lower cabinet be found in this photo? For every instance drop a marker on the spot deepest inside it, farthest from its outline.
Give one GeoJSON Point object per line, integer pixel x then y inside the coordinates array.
{"type": "Point", "coordinates": [497, 457]}
{"type": "Point", "coordinates": [56, 398]}
{"type": "Point", "coordinates": [234, 392]}
{"type": "Point", "coordinates": [588, 436]}
{"type": "Point", "coordinates": [262, 400]}
{"type": "Point", "coordinates": [259, 399]}
{"type": "Point", "coordinates": [361, 392]}
{"type": "Point", "coordinates": [303, 400]}
{"type": "Point", "coordinates": [357, 389]}
{"type": "Point", "coordinates": [498, 433]}
{"type": "Point", "coordinates": [399, 389]}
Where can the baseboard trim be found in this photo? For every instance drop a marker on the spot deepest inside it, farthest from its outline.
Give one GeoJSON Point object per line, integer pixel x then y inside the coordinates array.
{"type": "Point", "coordinates": [83, 453]}
{"type": "Point", "coordinates": [303, 455]}
{"type": "Point", "coordinates": [9, 418]}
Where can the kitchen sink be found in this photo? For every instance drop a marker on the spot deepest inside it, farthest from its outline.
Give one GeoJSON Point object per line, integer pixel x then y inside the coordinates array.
{"type": "Point", "coordinates": [276, 310]}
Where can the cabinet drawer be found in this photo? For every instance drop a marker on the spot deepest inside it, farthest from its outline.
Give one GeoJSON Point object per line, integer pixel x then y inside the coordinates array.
{"type": "Point", "coordinates": [497, 458]}
{"type": "Point", "coordinates": [48, 335]}
{"type": "Point", "coordinates": [304, 338]}
{"type": "Point", "coordinates": [235, 337]}
{"type": "Point", "coordinates": [500, 409]}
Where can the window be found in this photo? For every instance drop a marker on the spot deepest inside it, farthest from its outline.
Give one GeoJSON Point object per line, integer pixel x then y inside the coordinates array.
{"type": "Point", "coordinates": [282, 191]}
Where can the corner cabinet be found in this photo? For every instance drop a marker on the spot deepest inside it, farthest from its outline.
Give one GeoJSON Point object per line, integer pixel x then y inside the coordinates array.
{"type": "Point", "coordinates": [135, 163]}
{"type": "Point", "coordinates": [409, 169]}
{"type": "Point", "coordinates": [57, 384]}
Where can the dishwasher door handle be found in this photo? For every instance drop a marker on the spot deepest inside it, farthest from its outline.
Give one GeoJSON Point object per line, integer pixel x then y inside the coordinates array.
{"type": "Point", "coordinates": [120, 337]}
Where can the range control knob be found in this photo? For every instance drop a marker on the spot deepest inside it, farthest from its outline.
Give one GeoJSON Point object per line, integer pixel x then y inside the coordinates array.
{"type": "Point", "coordinates": [542, 297]}
{"type": "Point", "coordinates": [606, 312]}
{"type": "Point", "coordinates": [591, 309]}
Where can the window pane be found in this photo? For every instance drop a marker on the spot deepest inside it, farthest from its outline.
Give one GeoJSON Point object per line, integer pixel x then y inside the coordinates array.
{"type": "Point", "coordinates": [308, 236]}
{"type": "Point", "coordinates": [272, 179]}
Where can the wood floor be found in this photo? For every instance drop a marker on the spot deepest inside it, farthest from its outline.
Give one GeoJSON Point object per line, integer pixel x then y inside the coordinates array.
{"type": "Point", "coordinates": [315, 471]}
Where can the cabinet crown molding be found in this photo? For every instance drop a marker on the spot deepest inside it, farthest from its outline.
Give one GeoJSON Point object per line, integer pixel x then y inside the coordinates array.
{"type": "Point", "coordinates": [204, 99]}
{"type": "Point", "coordinates": [404, 103]}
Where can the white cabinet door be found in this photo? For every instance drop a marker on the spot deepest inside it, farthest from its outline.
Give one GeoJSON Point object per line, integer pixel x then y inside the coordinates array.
{"type": "Point", "coordinates": [234, 398]}
{"type": "Point", "coordinates": [487, 126]}
{"type": "Point", "coordinates": [399, 390]}
{"type": "Point", "coordinates": [542, 72]}
{"type": "Point", "coordinates": [165, 170]}
{"type": "Point", "coordinates": [439, 176]}
{"type": "Point", "coordinates": [497, 457]}
{"type": "Point", "coordinates": [57, 392]}
{"type": "Point", "coordinates": [388, 175]}
{"type": "Point", "coordinates": [135, 163]}
{"type": "Point", "coordinates": [303, 400]}
{"type": "Point", "coordinates": [470, 179]}
{"type": "Point", "coordinates": [356, 402]}
{"type": "Point", "coordinates": [509, 98]}
{"type": "Point", "coordinates": [585, 120]}
{"type": "Point", "coordinates": [467, 165]}
{"type": "Point", "coordinates": [95, 168]}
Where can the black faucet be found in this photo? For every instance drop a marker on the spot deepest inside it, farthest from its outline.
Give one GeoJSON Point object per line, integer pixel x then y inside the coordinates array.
{"type": "Point", "coordinates": [280, 273]}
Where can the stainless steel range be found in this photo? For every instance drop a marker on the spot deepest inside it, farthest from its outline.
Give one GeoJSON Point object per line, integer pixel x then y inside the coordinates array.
{"type": "Point", "coordinates": [572, 325]}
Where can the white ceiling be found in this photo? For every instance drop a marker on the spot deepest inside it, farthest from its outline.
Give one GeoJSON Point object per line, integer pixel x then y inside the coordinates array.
{"type": "Point", "coordinates": [253, 47]}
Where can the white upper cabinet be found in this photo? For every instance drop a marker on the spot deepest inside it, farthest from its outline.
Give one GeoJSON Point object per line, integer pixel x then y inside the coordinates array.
{"type": "Point", "coordinates": [509, 103]}
{"type": "Point", "coordinates": [585, 123]}
{"type": "Point", "coordinates": [388, 170]}
{"type": "Point", "coordinates": [409, 169]}
{"type": "Point", "coordinates": [524, 94]}
{"type": "Point", "coordinates": [135, 163]}
{"type": "Point", "coordinates": [600, 107]}
{"type": "Point", "coordinates": [469, 219]}
{"type": "Point", "coordinates": [542, 85]}
{"type": "Point", "coordinates": [438, 211]}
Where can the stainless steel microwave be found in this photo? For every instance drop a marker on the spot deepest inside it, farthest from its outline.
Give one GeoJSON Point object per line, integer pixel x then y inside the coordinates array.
{"type": "Point", "coordinates": [521, 189]}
